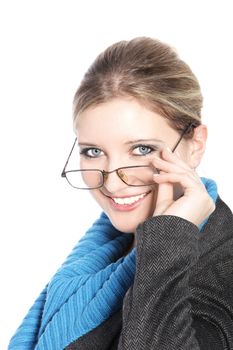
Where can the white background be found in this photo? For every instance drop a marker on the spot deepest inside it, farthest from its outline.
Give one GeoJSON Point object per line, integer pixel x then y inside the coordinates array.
{"type": "Point", "coordinates": [45, 48]}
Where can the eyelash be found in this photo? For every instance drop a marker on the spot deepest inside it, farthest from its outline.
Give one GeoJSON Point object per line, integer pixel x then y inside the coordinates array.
{"type": "Point", "coordinates": [152, 148]}
{"type": "Point", "coordinates": [84, 151]}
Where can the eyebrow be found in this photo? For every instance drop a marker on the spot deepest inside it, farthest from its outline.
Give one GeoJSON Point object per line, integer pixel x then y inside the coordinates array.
{"type": "Point", "coordinates": [87, 144]}
{"type": "Point", "coordinates": [126, 143]}
{"type": "Point", "coordinates": [142, 140]}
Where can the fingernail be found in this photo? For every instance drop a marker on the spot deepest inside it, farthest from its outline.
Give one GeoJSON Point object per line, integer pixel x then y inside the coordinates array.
{"type": "Point", "coordinates": [169, 149]}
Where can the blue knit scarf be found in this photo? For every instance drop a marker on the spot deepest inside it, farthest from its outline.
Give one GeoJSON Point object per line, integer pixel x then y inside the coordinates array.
{"type": "Point", "coordinates": [87, 289]}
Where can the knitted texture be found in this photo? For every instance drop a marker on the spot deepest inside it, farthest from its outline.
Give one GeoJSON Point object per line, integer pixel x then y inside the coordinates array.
{"type": "Point", "coordinates": [88, 288]}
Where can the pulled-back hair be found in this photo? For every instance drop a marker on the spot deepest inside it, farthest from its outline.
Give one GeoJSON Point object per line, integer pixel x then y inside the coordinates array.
{"type": "Point", "coordinates": [149, 71]}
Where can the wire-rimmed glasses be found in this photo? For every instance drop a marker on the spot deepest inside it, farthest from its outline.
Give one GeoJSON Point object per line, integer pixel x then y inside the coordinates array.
{"type": "Point", "coordinates": [134, 175]}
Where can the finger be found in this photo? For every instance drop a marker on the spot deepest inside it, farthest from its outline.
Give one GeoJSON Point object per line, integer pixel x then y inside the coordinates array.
{"type": "Point", "coordinates": [165, 189]}
{"type": "Point", "coordinates": [164, 196]}
{"type": "Point", "coordinates": [197, 207]}
{"type": "Point", "coordinates": [185, 179]}
{"type": "Point", "coordinates": [173, 157]}
{"type": "Point", "coordinates": [173, 165]}
{"type": "Point", "coordinates": [165, 166]}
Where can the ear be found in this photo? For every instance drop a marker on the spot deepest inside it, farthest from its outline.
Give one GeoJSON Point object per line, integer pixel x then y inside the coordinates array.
{"type": "Point", "coordinates": [197, 145]}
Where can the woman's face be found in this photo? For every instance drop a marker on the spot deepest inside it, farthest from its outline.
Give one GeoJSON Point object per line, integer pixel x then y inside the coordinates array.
{"type": "Point", "coordinates": [123, 133]}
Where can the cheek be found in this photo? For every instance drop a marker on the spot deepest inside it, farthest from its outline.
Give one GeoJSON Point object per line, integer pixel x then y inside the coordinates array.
{"type": "Point", "coordinates": [84, 163]}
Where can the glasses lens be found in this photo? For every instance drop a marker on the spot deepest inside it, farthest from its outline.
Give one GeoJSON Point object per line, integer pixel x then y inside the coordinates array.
{"type": "Point", "coordinates": [84, 179]}
{"type": "Point", "coordinates": [137, 176]}
{"type": "Point", "coordinates": [132, 176]}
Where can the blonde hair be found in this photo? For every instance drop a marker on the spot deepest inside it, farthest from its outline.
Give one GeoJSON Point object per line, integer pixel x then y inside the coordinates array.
{"type": "Point", "coordinates": [149, 71]}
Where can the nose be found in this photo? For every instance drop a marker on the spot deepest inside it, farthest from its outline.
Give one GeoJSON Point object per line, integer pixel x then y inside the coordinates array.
{"type": "Point", "coordinates": [113, 183]}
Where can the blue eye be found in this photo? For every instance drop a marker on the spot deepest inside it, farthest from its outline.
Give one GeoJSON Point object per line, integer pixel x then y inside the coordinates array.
{"type": "Point", "coordinates": [91, 152]}
{"type": "Point", "coordinates": [142, 150]}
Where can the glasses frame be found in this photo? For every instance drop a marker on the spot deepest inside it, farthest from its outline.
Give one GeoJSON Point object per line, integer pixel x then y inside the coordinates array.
{"type": "Point", "coordinates": [104, 173]}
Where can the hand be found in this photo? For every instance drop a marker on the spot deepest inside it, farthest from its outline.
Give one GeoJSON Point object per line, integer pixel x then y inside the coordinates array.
{"type": "Point", "coordinates": [195, 205]}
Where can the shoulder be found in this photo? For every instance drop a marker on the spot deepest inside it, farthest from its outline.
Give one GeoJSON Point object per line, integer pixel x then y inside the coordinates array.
{"type": "Point", "coordinates": [212, 276]}
{"type": "Point", "coordinates": [217, 234]}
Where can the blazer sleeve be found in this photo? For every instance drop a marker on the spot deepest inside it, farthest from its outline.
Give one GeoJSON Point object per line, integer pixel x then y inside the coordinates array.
{"type": "Point", "coordinates": [157, 309]}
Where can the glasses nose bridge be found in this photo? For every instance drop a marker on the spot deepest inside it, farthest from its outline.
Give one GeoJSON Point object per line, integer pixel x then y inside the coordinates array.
{"type": "Point", "coordinates": [119, 173]}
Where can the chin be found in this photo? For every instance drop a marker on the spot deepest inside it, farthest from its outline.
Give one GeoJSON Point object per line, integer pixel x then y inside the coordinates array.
{"type": "Point", "coordinates": [128, 222]}
{"type": "Point", "coordinates": [125, 227]}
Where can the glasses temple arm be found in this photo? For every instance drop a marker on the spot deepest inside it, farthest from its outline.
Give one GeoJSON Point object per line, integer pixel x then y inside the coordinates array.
{"type": "Point", "coordinates": [182, 135]}
{"type": "Point", "coordinates": [63, 171]}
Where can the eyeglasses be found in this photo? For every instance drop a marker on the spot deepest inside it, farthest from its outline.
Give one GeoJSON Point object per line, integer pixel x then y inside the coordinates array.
{"type": "Point", "coordinates": [135, 175]}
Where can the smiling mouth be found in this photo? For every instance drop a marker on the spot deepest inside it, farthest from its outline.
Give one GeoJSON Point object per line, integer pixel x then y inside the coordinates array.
{"type": "Point", "coordinates": [129, 200]}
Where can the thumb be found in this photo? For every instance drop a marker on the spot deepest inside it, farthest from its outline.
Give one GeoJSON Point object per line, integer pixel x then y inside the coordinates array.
{"type": "Point", "coordinates": [164, 196]}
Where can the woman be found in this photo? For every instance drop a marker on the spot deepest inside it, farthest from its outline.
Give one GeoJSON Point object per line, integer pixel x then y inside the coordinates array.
{"type": "Point", "coordinates": [155, 270]}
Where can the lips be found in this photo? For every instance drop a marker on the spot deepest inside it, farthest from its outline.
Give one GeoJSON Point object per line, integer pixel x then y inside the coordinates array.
{"type": "Point", "coordinates": [127, 203]}
{"type": "Point", "coordinates": [128, 200]}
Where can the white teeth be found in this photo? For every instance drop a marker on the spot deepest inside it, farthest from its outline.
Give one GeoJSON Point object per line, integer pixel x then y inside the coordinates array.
{"type": "Point", "coordinates": [128, 200]}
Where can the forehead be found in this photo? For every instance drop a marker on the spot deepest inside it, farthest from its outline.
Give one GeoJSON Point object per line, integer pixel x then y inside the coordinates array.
{"type": "Point", "coordinates": [121, 119]}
